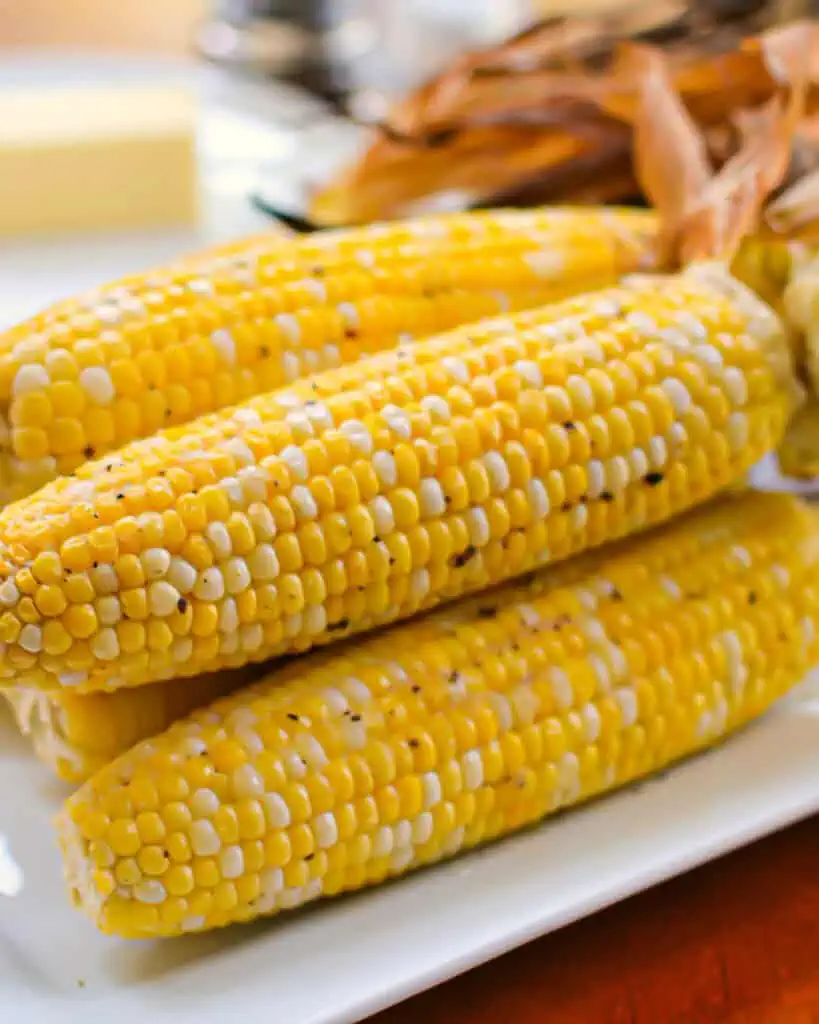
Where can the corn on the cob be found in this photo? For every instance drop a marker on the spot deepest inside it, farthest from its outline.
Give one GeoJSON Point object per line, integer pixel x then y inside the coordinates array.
{"type": "Point", "coordinates": [361, 496]}
{"type": "Point", "coordinates": [76, 735]}
{"type": "Point", "coordinates": [145, 353]}
{"type": "Point", "coordinates": [359, 764]}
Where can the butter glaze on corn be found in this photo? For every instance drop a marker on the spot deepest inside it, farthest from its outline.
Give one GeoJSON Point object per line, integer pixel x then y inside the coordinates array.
{"type": "Point", "coordinates": [361, 496]}
{"type": "Point", "coordinates": [92, 374]}
{"type": "Point", "coordinates": [76, 735]}
{"type": "Point", "coordinates": [363, 763]}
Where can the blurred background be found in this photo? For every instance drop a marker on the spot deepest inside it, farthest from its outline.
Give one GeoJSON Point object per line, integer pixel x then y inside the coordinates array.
{"type": "Point", "coordinates": [132, 131]}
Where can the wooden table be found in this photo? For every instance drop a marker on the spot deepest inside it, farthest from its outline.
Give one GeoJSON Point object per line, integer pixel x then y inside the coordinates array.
{"type": "Point", "coordinates": [735, 942]}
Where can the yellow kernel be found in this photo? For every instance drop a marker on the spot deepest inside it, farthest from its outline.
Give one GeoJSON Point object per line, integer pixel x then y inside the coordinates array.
{"type": "Point", "coordinates": [80, 620]}
{"type": "Point", "coordinates": [123, 837]}
{"type": "Point", "coordinates": [150, 826]}
{"type": "Point", "coordinates": [51, 601]}
{"type": "Point", "coordinates": [127, 872]}
{"type": "Point", "coordinates": [152, 861]}
{"type": "Point", "coordinates": [277, 849]}
{"type": "Point", "coordinates": [206, 872]}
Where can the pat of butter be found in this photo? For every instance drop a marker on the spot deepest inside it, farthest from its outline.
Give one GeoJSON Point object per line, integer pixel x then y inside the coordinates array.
{"type": "Point", "coordinates": [75, 160]}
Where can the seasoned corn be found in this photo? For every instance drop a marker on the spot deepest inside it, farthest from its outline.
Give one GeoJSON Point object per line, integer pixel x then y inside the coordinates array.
{"type": "Point", "coordinates": [359, 764]}
{"type": "Point", "coordinates": [76, 735]}
{"type": "Point", "coordinates": [148, 352]}
{"type": "Point", "coordinates": [361, 496]}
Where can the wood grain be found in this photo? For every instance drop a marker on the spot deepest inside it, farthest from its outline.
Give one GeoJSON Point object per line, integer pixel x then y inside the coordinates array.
{"type": "Point", "coordinates": [735, 942]}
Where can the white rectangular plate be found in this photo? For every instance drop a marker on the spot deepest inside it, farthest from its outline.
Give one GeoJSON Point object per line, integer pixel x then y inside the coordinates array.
{"type": "Point", "coordinates": [350, 957]}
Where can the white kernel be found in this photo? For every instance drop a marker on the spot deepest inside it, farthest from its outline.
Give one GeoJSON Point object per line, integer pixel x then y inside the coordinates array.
{"type": "Point", "coordinates": [431, 498]}
{"type": "Point", "coordinates": [538, 499]}
{"type": "Point", "coordinates": [437, 408]}
{"type": "Point", "coordinates": [477, 524]}
{"type": "Point", "coordinates": [382, 841]}
{"type": "Point", "coordinates": [402, 834]}
{"type": "Point", "coordinates": [288, 325]}
{"type": "Point", "coordinates": [638, 463]}
{"type": "Point", "coordinates": [456, 368]}
{"type": "Point", "coordinates": [229, 643]}
{"type": "Point", "coordinates": [104, 579]}
{"type": "Point", "coordinates": [318, 413]}
{"type": "Point", "coordinates": [97, 384]}
{"type": "Point", "coordinates": [182, 649]}
{"type": "Point", "coordinates": [296, 461]}
{"type": "Point", "coordinates": [678, 394]}
{"type": "Point", "coordinates": [358, 435]}
{"type": "Point", "coordinates": [431, 785]}
{"type": "Point", "coordinates": [808, 628]}
{"type": "Point", "coordinates": [293, 624]}
{"type": "Point", "coordinates": [617, 474]}
{"type": "Point", "coordinates": [736, 431]}
{"type": "Point", "coordinates": [247, 782]}
{"type": "Point", "coordinates": [231, 862]}
{"type": "Point", "coordinates": [419, 584]}
{"type": "Point", "coordinates": [326, 830]}
{"type": "Point", "coordinates": [497, 471]}
{"type": "Point", "coordinates": [291, 367]}
{"type": "Point", "coordinates": [735, 385]}
{"type": "Point", "coordinates": [627, 702]}
{"type": "Point", "coordinates": [9, 594]}
{"type": "Point", "coordinates": [385, 469]}
{"type": "Point", "coordinates": [276, 810]}
{"type": "Point", "coordinates": [383, 518]}
{"type": "Point", "coordinates": [592, 724]}
{"type": "Point", "coordinates": [398, 421]}
{"type": "Point", "coordinates": [263, 562]}
{"type": "Point", "coordinates": [422, 828]}
{"type": "Point", "coordinates": [678, 438]}
{"type": "Point", "coordinates": [708, 354]}
{"type": "Point", "coordinates": [233, 489]}
{"type": "Point", "coordinates": [205, 840]}
{"type": "Point", "coordinates": [209, 585]}
{"type": "Point", "coordinates": [201, 286]}
{"type": "Point", "coordinates": [568, 775]}
{"type": "Point", "coordinates": [182, 575]}
{"type": "Point", "coordinates": [219, 539]}
{"type": "Point", "coordinates": [31, 377]}
{"type": "Point", "coordinates": [546, 262]}
{"type": "Point", "coordinates": [503, 712]}
{"type": "Point", "coordinates": [150, 890]}
{"type": "Point", "coordinates": [105, 645]}
{"type": "Point", "coordinates": [472, 770]}
{"type": "Point", "coordinates": [204, 803]}
{"type": "Point", "coordinates": [561, 687]}
{"type": "Point", "coordinates": [262, 520]}
{"type": "Point", "coordinates": [31, 638]}
{"type": "Point", "coordinates": [781, 575]}
{"type": "Point", "coordinates": [671, 587]}
{"type": "Point", "coordinates": [595, 478]}
{"type": "Point", "coordinates": [108, 610]}
{"type": "Point", "coordinates": [155, 563]}
{"type": "Point", "coordinates": [162, 598]}
{"type": "Point", "coordinates": [530, 372]}
{"type": "Point", "coordinates": [578, 518]}
{"type": "Point", "coordinates": [349, 315]}
{"type": "Point", "coordinates": [303, 502]}
{"type": "Point", "coordinates": [73, 678]}
{"type": "Point", "coordinates": [236, 575]}
{"type": "Point", "coordinates": [315, 619]}
{"type": "Point", "coordinates": [741, 555]}
{"type": "Point", "coordinates": [581, 395]}
{"type": "Point", "coordinates": [251, 637]}
{"type": "Point", "coordinates": [224, 344]}
{"type": "Point", "coordinates": [289, 899]}
{"type": "Point", "coordinates": [228, 616]}
{"type": "Point", "coordinates": [601, 673]}
{"type": "Point", "coordinates": [657, 452]}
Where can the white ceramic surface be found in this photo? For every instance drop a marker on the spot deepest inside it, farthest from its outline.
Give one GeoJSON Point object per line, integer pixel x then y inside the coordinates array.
{"type": "Point", "coordinates": [340, 961]}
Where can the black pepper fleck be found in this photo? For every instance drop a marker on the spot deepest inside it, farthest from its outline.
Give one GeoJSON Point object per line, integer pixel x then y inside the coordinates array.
{"type": "Point", "coordinates": [181, 604]}
{"type": "Point", "coordinates": [752, 597]}
{"type": "Point", "coordinates": [652, 479]}
{"type": "Point", "coordinates": [414, 743]}
{"type": "Point", "coordinates": [88, 452]}
{"type": "Point", "coordinates": [292, 717]}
